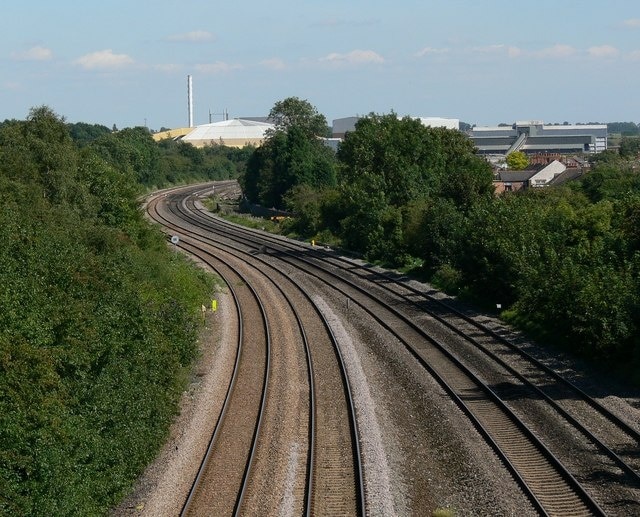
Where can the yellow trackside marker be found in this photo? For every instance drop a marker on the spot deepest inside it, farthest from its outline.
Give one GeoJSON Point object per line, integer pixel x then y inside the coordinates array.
{"type": "Point", "coordinates": [313, 242]}
{"type": "Point", "coordinates": [214, 305]}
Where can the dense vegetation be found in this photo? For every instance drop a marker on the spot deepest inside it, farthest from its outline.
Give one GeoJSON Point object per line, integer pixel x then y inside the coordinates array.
{"type": "Point", "coordinates": [563, 263]}
{"type": "Point", "coordinates": [624, 128]}
{"type": "Point", "coordinates": [293, 155]}
{"type": "Point", "coordinates": [168, 162]}
{"type": "Point", "coordinates": [97, 318]}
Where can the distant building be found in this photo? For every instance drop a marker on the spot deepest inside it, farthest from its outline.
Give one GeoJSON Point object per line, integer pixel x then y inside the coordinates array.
{"type": "Point", "coordinates": [332, 143]}
{"type": "Point", "coordinates": [533, 136]}
{"type": "Point", "coordinates": [539, 176]}
{"type": "Point", "coordinates": [232, 133]}
{"type": "Point", "coordinates": [511, 181]}
{"type": "Point", "coordinates": [341, 126]}
{"type": "Point", "coordinates": [448, 123]}
{"type": "Point", "coordinates": [544, 176]}
{"type": "Point", "coordinates": [173, 134]}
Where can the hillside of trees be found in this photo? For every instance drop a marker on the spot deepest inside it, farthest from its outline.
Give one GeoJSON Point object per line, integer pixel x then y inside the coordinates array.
{"type": "Point", "coordinates": [98, 320]}
{"type": "Point", "coordinates": [563, 262]}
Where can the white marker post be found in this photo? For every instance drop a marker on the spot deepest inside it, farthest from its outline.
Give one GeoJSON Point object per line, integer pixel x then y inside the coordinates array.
{"type": "Point", "coordinates": [175, 240]}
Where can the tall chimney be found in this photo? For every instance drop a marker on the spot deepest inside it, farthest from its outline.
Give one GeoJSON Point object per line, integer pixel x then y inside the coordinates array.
{"type": "Point", "coordinates": [190, 99]}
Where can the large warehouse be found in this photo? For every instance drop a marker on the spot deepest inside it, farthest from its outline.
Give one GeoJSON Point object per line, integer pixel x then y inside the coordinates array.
{"type": "Point", "coordinates": [232, 133]}
{"type": "Point", "coordinates": [343, 125]}
{"type": "Point", "coordinates": [533, 136]}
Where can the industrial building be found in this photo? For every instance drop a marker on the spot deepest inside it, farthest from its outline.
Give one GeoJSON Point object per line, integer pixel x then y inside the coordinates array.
{"type": "Point", "coordinates": [341, 126]}
{"type": "Point", "coordinates": [236, 132]}
{"type": "Point", "coordinates": [232, 133]}
{"type": "Point", "coordinates": [533, 136]}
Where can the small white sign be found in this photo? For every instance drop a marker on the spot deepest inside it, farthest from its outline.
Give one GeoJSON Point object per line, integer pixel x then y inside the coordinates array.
{"type": "Point", "coordinates": [175, 239]}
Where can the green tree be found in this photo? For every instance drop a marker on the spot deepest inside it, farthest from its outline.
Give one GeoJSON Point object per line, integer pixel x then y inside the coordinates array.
{"type": "Point", "coordinates": [517, 161]}
{"type": "Point", "coordinates": [135, 149]}
{"type": "Point", "coordinates": [40, 150]}
{"type": "Point", "coordinates": [609, 180]}
{"type": "Point", "coordinates": [291, 156]}
{"type": "Point", "coordinates": [625, 128]}
{"type": "Point", "coordinates": [83, 133]}
{"type": "Point", "coordinates": [295, 112]}
{"type": "Point", "coordinates": [392, 163]}
{"type": "Point", "coordinates": [630, 147]}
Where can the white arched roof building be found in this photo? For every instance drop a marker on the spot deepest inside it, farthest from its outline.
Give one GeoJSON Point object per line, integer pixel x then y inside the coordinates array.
{"type": "Point", "coordinates": [236, 132]}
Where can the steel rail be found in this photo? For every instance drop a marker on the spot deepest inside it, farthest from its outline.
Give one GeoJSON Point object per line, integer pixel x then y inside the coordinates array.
{"type": "Point", "coordinates": [189, 501]}
{"type": "Point", "coordinates": [360, 501]}
{"type": "Point", "coordinates": [360, 497]}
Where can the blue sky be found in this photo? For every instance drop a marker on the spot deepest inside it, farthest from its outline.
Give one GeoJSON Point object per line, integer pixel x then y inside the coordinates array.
{"type": "Point", "coordinates": [482, 61]}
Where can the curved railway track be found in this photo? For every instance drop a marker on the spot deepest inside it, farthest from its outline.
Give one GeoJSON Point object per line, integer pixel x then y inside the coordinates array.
{"type": "Point", "coordinates": [224, 465]}
{"type": "Point", "coordinates": [332, 481]}
{"type": "Point", "coordinates": [492, 393]}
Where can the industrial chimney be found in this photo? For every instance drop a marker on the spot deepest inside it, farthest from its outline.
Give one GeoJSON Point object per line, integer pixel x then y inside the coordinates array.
{"type": "Point", "coordinates": [190, 99]}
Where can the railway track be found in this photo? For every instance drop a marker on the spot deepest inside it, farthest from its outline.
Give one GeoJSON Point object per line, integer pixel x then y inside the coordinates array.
{"type": "Point", "coordinates": [319, 469]}
{"type": "Point", "coordinates": [613, 444]}
{"type": "Point", "coordinates": [228, 460]}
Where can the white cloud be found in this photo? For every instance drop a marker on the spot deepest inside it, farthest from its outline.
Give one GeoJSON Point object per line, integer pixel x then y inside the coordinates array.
{"type": "Point", "coordinates": [168, 67]}
{"type": "Point", "coordinates": [219, 67]}
{"type": "Point", "coordinates": [36, 53]}
{"type": "Point", "coordinates": [193, 36]}
{"type": "Point", "coordinates": [489, 49]}
{"type": "Point", "coordinates": [104, 60]}
{"type": "Point", "coordinates": [274, 63]}
{"type": "Point", "coordinates": [635, 55]}
{"type": "Point", "coordinates": [430, 51]}
{"type": "Point", "coordinates": [355, 57]}
{"type": "Point", "coordinates": [12, 85]}
{"type": "Point", "coordinates": [514, 51]}
{"type": "Point", "coordinates": [498, 49]}
{"type": "Point", "coordinates": [634, 23]}
{"type": "Point", "coordinates": [603, 51]}
{"type": "Point", "coordinates": [555, 52]}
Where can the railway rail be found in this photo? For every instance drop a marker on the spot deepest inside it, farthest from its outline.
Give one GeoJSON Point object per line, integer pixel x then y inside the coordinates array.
{"type": "Point", "coordinates": [488, 376]}
{"type": "Point", "coordinates": [332, 481]}
{"type": "Point", "coordinates": [231, 449]}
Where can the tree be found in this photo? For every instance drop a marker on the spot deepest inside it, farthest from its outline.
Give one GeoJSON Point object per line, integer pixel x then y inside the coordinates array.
{"type": "Point", "coordinates": [517, 161]}
{"type": "Point", "coordinates": [291, 155]}
{"type": "Point", "coordinates": [83, 133]}
{"type": "Point", "coordinates": [96, 328]}
{"type": "Point", "coordinates": [293, 111]}
{"type": "Point", "coordinates": [132, 147]}
{"type": "Point", "coordinates": [287, 159]}
{"type": "Point", "coordinates": [624, 128]}
{"type": "Point", "coordinates": [611, 179]}
{"type": "Point", "coordinates": [630, 147]}
{"type": "Point", "coordinates": [388, 166]}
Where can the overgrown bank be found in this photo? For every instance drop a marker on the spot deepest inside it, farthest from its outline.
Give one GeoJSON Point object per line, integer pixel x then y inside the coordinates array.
{"type": "Point", "coordinates": [98, 320]}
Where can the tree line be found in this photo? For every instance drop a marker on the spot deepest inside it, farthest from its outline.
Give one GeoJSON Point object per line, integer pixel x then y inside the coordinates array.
{"type": "Point", "coordinates": [562, 262]}
{"type": "Point", "coordinates": [98, 321]}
